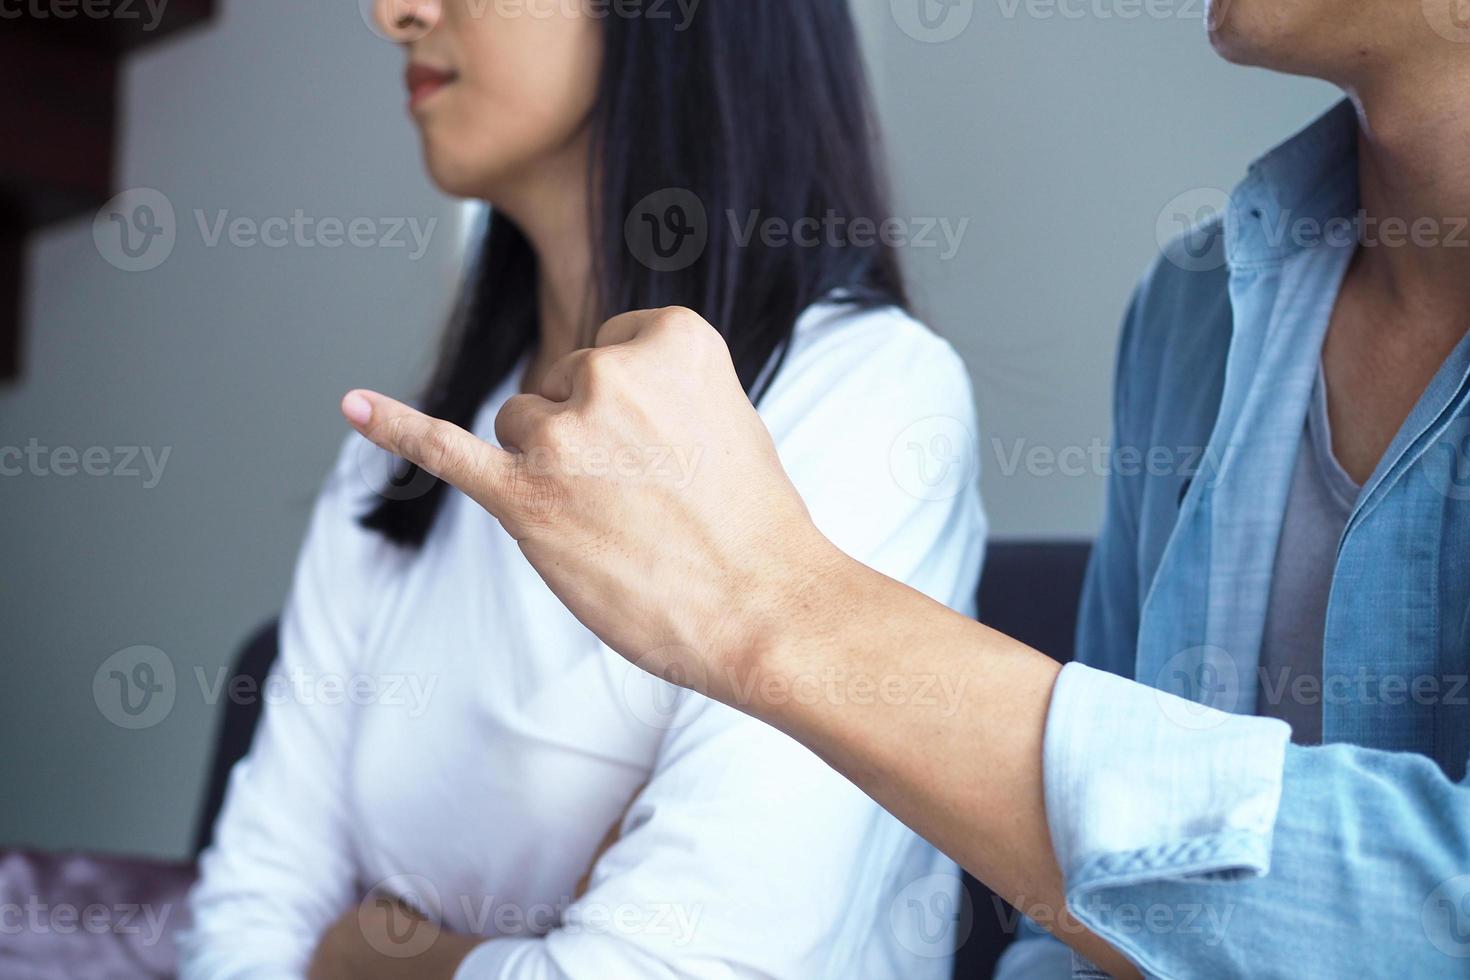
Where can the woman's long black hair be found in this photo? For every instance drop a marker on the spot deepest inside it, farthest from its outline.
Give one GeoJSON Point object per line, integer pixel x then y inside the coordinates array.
{"type": "Point", "coordinates": [759, 109]}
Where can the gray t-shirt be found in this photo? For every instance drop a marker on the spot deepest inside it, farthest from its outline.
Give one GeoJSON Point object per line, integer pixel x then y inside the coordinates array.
{"type": "Point", "coordinates": [1322, 497]}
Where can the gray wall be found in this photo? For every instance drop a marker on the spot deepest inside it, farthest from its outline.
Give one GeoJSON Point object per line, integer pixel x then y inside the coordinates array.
{"type": "Point", "coordinates": [1061, 139]}
{"type": "Point", "coordinates": [1061, 129]}
{"type": "Point", "coordinates": [230, 358]}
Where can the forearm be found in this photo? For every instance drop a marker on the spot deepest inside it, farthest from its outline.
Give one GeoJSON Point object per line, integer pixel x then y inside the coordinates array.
{"type": "Point", "coordinates": [388, 941]}
{"type": "Point", "coordinates": [938, 718]}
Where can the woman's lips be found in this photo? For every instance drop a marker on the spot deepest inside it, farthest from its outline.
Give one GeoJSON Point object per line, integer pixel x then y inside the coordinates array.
{"type": "Point", "coordinates": [423, 82]}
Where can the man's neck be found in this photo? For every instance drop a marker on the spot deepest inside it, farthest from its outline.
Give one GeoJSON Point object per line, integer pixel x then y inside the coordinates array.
{"type": "Point", "coordinates": [1405, 304]}
{"type": "Point", "coordinates": [1414, 173]}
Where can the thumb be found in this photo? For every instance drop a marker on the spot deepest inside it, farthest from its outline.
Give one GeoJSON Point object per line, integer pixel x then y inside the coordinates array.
{"type": "Point", "coordinates": [481, 471]}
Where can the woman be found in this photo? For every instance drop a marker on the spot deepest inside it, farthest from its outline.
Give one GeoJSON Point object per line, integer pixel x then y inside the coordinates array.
{"type": "Point", "coordinates": [633, 159]}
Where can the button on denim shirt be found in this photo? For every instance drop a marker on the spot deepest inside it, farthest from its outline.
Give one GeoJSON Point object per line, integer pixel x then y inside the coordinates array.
{"type": "Point", "coordinates": [1192, 835]}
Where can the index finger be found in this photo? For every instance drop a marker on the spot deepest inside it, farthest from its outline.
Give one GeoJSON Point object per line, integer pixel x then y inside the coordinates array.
{"type": "Point", "coordinates": [481, 471]}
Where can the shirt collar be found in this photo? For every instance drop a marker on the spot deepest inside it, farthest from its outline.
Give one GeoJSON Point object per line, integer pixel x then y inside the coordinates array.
{"type": "Point", "coordinates": [1299, 195]}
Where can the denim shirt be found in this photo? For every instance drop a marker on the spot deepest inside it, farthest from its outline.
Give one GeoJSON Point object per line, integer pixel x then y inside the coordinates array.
{"type": "Point", "coordinates": [1191, 835]}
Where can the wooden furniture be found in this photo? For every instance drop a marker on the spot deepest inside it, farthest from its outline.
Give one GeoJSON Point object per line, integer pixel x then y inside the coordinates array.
{"type": "Point", "coordinates": [59, 68]}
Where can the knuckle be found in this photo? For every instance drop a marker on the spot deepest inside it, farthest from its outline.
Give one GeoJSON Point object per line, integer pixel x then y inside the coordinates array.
{"type": "Point", "coordinates": [441, 446]}
{"type": "Point", "coordinates": [611, 328]}
{"type": "Point", "coordinates": [431, 444]}
{"type": "Point", "coordinates": [535, 498]}
{"type": "Point", "coordinates": [676, 318]}
{"type": "Point", "coordinates": [598, 368]}
{"type": "Point", "coordinates": [555, 429]}
{"type": "Point", "coordinates": [397, 435]}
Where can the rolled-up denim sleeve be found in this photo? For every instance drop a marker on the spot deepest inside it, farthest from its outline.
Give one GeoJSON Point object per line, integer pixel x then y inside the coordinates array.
{"type": "Point", "coordinates": [1135, 800]}
{"type": "Point", "coordinates": [1222, 850]}
{"type": "Point", "coordinates": [1132, 796]}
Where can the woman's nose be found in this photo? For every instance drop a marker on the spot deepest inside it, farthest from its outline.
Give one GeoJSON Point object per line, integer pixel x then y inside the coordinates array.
{"type": "Point", "coordinates": [405, 21]}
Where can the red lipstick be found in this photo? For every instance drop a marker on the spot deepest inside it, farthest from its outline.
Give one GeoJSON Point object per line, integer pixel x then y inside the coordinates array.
{"type": "Point", "coordinates": [424, 82]}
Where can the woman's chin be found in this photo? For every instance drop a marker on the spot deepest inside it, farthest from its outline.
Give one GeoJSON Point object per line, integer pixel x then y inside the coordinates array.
{"type": "Point", "coordinates": [451, 177]}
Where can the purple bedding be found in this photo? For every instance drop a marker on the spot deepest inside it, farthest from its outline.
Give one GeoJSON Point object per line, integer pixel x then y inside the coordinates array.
{"type": "Point", "coordinates": [79, 917]}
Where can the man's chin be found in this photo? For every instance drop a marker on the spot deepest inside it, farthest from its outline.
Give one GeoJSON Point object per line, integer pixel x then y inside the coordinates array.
{"type": "Point", "coordinates": [1230, 48]}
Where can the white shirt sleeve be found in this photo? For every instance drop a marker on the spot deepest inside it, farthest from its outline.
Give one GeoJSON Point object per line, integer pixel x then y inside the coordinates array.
{"type": "Point", "coordinates": [740, 827]}
{"type": "Point", "coordinates": [280, 870]}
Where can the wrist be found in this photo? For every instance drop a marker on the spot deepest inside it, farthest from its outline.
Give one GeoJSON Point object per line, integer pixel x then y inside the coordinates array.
{"type": "Point", "coordinates": [792, 625]}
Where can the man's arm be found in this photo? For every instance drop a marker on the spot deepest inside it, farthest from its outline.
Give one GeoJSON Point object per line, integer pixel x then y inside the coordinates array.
{"type": "Point", "coordinates": [722, 584]}
{"type": "Point", "coordinates": [652, 564]}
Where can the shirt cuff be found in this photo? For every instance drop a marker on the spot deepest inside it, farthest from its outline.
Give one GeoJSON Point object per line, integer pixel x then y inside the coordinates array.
{"type": "Point", "coordinates": [1145, 787]}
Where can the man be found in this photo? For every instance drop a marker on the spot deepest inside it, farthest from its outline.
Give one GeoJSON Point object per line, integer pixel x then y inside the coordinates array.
{"type": "Point", "coordinates": [1147, 806]}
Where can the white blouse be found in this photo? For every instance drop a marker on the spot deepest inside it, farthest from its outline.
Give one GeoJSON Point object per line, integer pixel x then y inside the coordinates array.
{"type": "Point", "coordinates": [445, 730]}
